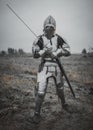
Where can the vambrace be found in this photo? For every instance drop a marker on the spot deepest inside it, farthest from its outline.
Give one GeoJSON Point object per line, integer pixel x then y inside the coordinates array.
{"type": "Point", "coordinates": [37, 48]}
{"type": "Point", "coordinates": [61, 52]}
{"type": "Point", "coordinates": [65, 50]}
{"type": "Point", "coordinates": [58, 52]}
{"type": "Point", "coordinates": [35, 51]}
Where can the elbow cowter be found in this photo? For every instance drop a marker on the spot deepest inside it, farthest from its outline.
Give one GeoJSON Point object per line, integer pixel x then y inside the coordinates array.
{"type": "Point", "coordinates": [67, 53]}
{"type": "Point", "coordinates": [36, 55]}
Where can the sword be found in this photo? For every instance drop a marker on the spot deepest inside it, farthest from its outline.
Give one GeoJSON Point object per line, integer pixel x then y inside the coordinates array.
{"type": "Point", "coordinates": [63, 72]}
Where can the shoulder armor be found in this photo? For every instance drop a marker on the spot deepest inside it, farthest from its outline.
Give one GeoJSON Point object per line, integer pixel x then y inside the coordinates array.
{"type": "Point", "coordinates": [60, 41]}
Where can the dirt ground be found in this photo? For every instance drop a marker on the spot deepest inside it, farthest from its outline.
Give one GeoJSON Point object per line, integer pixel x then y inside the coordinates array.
{"type": "Point", "coordinates": [17, 102]}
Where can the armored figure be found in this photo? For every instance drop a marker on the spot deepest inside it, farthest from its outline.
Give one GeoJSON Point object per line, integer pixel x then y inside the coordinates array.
{"type": "Point", "coordinates": [48, 46]}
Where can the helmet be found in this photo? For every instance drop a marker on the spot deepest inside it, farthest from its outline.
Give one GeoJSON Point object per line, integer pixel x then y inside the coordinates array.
{"type": "Point", "coordinates": [50, 21]}
{"type": "Point", "coordinates": [49, 27]}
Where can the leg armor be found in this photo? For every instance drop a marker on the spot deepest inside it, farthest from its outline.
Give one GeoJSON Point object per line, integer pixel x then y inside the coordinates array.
{"type": "Point", "coordinates": [60, 93]}
{"type": "Point", "coordinates": [38, 103]}
{"type": "Point", "coordinates": [39, 96]}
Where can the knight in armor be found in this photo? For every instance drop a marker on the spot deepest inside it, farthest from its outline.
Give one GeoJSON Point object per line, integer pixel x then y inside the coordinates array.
{"type": "Point", "coordinates": [48, 46]}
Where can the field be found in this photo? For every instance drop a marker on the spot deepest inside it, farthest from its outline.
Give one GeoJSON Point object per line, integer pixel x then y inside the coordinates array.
{"type": "Point", "coordinates": [17, 101]}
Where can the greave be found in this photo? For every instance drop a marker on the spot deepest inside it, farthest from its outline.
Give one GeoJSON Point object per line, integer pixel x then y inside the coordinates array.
{"type": "Point", "coordinates": [39, 102]}
{"type": "Point", "coordinates": [61, 96]}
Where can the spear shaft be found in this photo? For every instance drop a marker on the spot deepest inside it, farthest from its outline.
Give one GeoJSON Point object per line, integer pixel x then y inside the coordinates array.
{"type": "Point", "coordinates": [21, 19]}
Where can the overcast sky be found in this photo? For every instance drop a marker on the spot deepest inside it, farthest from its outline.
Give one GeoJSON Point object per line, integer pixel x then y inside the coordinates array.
{"type": "Point", "coordinates": [74, 19]}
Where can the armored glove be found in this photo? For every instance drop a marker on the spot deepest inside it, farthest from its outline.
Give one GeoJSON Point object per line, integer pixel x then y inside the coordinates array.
{"type": "Point", "coordinates": [56, 54]}
{"type": "Point", "coordinates": [53, 55]}
{"type": "Point", "coordinates": [47, 49]}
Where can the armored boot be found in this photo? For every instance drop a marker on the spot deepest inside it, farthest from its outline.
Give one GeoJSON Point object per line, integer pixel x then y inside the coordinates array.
{"type": "Point", "coordinates": [36, 118]}
{"type": "Point", "coordinates": [65, 106]}
{"type": "Point", "coordinates": [60, 92]}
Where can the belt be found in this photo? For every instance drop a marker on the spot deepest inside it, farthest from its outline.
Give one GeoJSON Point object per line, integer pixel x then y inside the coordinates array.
{"type": "Point", "coordinates": [49, 60]}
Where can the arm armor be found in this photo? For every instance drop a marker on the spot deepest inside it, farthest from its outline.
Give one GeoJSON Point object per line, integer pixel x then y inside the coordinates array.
{"type": "Point", "coordinates": [37, 47]}
{"type": "Point", "coordinates": [63, 48]}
